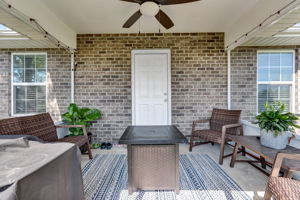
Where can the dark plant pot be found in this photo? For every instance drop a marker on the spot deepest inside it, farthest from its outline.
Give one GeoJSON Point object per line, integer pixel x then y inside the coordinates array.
{"type": "Point", "coordinates": [84, 149]}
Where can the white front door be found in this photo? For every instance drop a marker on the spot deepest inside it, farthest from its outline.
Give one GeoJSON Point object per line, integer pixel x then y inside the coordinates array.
{"type": "Point", "coordinates": [151, 87]}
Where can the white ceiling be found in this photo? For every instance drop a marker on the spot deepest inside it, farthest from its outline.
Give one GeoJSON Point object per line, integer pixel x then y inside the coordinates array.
{"type": "Point", "coordinates": [108, 16]}
{"type": "Point", "coordinates": [66, 18]}
{"type": "Point", "coordinates": [267, 37]}
{"type": "Point", "coordinates": [34, 39]}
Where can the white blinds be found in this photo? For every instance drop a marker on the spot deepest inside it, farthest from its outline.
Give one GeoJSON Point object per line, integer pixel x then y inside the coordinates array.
{"type": "Point", "coordinates": [272, 93]}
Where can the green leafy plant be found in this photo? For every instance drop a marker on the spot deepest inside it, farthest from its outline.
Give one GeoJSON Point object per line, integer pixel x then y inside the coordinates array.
{"type": "Point", "coordinates": [80, 116]}
{"type": "Point", "coordinates": [276, 120]}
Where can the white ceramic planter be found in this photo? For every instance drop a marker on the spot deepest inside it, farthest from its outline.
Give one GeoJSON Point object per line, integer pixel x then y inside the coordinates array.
{"type": "Point", "coordinates": [250, 129]}
{"type": "Point", "coordinates": [268, 139]}
{"type": "Point", "coordinates": [61, 132]}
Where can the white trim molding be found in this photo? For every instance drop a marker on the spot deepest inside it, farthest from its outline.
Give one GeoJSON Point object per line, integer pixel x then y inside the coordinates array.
{"type": "Point", "coordinates": [72, 78]}
{"type": "Point", "coordinates": [228, 79]}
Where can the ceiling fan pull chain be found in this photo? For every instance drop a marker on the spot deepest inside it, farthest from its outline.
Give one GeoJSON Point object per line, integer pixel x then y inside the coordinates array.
{"type": "Point", "coordinates": [159, 20]}
{"type": "Point", "coordinates": [139, 26]}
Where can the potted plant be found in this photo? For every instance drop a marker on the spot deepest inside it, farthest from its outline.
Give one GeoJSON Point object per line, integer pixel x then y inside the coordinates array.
{"type": "Point", "coordinates": [80, 116]}
{"type": "Point", "coordinates": [276, 125]}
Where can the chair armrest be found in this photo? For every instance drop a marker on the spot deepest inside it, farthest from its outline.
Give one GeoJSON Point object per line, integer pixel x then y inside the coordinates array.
{"type": "Point", "coordinates": [279, 159]}
{"type": "Point", "coordinates": [225, 127]}
{"type": "Point", "coordinates": [73, 126]}
{"type": "Point", "coordinates": [232, 126]}
{"type": "Point", "coordinates": [200, 121]}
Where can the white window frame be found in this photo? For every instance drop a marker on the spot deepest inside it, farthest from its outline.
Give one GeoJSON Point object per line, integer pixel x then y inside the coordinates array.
{"type": "Point", "coordinates": [293, 96]}
{"type": "Point", "coordinates": [27, 84]}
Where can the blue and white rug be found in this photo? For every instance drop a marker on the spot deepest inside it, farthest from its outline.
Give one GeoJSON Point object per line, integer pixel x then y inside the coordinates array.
{"type": "Point", "coordinates": [105, 178]}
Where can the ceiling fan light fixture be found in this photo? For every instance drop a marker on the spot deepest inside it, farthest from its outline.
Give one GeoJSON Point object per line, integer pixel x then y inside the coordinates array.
{"type": "Point", "coordinates": [149, 9]}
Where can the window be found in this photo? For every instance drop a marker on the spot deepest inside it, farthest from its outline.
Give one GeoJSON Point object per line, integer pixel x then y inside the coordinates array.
{"type": "Point", "coordinates": [29, 83]}
{"type": "Point", "coordinates": [275, 76]}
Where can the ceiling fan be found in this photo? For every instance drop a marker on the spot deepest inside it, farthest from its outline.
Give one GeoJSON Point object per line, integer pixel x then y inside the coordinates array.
{"type": "Point", "coordinates": [151, 8]}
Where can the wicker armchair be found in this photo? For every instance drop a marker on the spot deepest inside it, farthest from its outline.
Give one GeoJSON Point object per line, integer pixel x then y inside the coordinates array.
{"type": "Point", "coordinates": [222, 122]}
{"type": "Point", "coordinates": [282, 188]}
{"type": "Point", "coordinates": [42, 126]}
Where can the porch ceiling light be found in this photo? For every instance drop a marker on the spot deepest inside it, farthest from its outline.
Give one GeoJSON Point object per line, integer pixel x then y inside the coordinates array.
{"type": "Point", "coordinates": [149, 9]}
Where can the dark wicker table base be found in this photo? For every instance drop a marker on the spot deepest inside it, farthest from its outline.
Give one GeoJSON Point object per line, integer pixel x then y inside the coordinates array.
{"type": "Point", "coordinates": [153, 167]}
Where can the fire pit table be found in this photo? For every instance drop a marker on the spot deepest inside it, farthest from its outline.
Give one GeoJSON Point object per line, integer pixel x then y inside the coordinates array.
{"type": "Point", "coordinates": [153, 157]}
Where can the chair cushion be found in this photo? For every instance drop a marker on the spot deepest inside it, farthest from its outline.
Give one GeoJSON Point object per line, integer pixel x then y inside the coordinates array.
{"type": "Point", "coordinates": [284, 188]}
{"type": "Point", "coordinates": [78, 140]}
{"type": "Point", "coordinates": [209, 135]}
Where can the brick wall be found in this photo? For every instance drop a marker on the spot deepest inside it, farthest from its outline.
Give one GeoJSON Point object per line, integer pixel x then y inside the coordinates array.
{"type": "Point", "coordinates": [103, 76]}
{"type": "Point", "coordinates": [4, 83]}
{"type": "Point", "coordinates": [59, 80]}
{"type": "Point", "coordinates": [244, 79]}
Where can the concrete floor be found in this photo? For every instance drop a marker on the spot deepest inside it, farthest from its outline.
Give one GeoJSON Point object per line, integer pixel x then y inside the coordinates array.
{"type": "Point", "coordinates": [252, 181]}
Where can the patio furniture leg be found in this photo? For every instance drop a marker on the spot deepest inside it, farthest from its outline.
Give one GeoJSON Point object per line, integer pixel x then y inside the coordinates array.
{"type": "Point", "coordinates": [212, 144]}
{"type": "Point", "coordinates": [263, 162]}
{"type": "Point", "coordinates": [235, 151]}
{"type": "Point", "coordinates": [243, 151]}
{"type": "Point", "coordinates": [288, 174]}
{"type": "Point", "coordinates": [177, 170]}
{"type": "Point", "coordinates": [243, 148]}
{"type": "Point", "coordinates": [222, 153]}
{"type": "Point", "coordinates": [268, 194]}
{"type": "Point", "coordinates": [89, 151]}
{"type": "Point", "coordinates": [129, 159]}
{"type": "Point", "coordinates": [191, 143]}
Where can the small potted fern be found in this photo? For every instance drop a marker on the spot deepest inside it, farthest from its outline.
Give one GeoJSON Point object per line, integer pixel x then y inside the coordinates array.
{"type": "Point", "coordinates": [276, 125]}
{"type": "Point", "coordinates": [80, 116]}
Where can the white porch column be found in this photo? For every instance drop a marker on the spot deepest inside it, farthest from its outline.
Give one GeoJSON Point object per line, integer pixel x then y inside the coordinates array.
{"type": "Point", "coordinates": [228, 79]}
{"type": "Point", "coordinates": [72, 78]}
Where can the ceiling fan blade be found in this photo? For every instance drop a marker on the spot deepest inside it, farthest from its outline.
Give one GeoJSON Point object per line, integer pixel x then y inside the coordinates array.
{"type": "Point", "coordinates": [164, 19]}
{"type": "Point", "coordinates": [132, 19]}
{"type": "Point", "coordinates": [134, 1]}
{"type": "Point", "coordinates": [171, 2]}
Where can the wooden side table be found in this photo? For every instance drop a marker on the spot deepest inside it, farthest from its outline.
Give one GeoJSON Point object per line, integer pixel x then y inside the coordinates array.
{"type": "Point", "coordinates": [267, 155]}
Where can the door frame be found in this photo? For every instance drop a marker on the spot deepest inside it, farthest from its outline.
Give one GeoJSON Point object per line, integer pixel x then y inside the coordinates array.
{"type": "Point", "coordinates": [151, 51]}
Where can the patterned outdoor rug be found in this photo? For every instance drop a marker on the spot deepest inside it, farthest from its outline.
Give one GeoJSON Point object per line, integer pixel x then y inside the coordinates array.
{"type": "Point", "coordinates": [105, 178]}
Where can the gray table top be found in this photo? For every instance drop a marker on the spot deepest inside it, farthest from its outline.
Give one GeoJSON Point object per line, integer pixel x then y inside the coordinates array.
{"type": "Point", "coordinates": [152, 135]}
